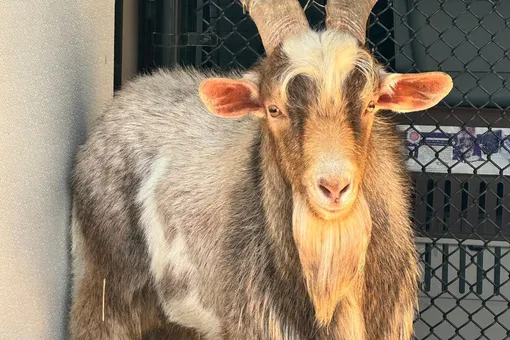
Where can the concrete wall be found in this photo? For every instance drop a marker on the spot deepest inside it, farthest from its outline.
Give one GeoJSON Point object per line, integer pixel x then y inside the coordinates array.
{"type": "Point", "coordinates": [56, 69]}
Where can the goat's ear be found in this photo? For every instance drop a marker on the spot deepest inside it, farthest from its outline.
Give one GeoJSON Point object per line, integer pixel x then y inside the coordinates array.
{"type": "Point", "coordinates": [413, 92]}
{"type": "Point", "coordinates": [230, 98]}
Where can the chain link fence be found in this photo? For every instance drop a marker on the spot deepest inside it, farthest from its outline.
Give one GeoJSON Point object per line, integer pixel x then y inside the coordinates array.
{"type": "Point", "coordinates": [459, 151]}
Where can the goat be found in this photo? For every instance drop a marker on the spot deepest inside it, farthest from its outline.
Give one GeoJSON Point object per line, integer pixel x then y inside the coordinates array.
{"type": "Point", "coordinates": [289, 220]}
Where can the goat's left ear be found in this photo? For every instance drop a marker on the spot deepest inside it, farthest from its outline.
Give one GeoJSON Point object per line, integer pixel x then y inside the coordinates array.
{"type": "Point", "coordinates": [413, 92]}
{"type": "Point", "coordinates": [230, 97]}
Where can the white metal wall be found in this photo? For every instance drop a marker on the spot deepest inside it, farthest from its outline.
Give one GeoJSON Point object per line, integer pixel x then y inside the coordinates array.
{"type": "Point", "coordinates": [56, 69]}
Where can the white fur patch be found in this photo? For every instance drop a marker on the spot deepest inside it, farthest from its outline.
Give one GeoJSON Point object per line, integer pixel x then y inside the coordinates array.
{"type": "Point", "coordinates": [189, 312]}
{"type": "Point", "coordinates": [318, 54]}
{"type": "Point", "coordinates": [178, 257]}
{"type": "Point", "coordinates": [153, 228]}
{"type": "Point", "coordinates": [163, 255]}
{"type": "Point", "coordinates": [254, 77]}
{"type": "Point", "coordinates": [313, 48]}
{"type": "Point", "coordinates": [328, 58]}
{"type": "Point", "coordinates": [389, 82]}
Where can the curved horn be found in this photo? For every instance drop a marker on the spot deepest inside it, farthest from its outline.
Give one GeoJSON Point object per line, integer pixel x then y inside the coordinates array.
{"type": "Point", "coordinates": [350, 16]}
{"type": "Point", "coordinates": [276, 20]}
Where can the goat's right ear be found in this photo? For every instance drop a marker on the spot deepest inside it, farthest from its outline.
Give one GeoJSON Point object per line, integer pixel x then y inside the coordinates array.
{"type": "Point", "coordinates": [230, 98]}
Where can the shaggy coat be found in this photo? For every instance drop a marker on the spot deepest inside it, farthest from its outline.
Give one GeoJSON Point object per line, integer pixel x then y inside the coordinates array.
{"type": "Point", "coordinates": [187, 222]}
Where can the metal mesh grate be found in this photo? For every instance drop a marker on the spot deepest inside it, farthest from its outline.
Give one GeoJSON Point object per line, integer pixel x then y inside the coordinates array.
{"type": "Point", "coordinates": [459, 151]}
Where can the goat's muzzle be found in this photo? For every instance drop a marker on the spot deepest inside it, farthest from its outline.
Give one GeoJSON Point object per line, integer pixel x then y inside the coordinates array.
{"type": "Point", "coordinates": [331, 189]}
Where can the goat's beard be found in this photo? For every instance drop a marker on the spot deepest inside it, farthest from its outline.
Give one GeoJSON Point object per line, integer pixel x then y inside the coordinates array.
{"type": "Point", "coordinates": [332, 255]}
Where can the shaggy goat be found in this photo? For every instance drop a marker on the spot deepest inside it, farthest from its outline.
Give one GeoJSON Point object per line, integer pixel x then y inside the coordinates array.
{"type": "Point", "coordinates": [289, 220]}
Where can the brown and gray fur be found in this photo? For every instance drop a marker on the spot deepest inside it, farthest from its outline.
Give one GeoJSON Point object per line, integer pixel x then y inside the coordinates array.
{"type": "Point", "coordinates": [194, 222]}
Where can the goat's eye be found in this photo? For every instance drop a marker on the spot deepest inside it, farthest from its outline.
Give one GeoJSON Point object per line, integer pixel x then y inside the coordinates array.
{"type": "Point", "coordinates": [370, 107]}
{"type": "Point", "coordinates": [274, 111]}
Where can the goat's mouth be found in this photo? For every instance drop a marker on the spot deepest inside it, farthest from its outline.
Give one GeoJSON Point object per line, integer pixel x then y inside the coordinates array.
{"type": "Point", "coordinates": [327, 209]}
{"type": "Point", "coordinates": [329, 213]}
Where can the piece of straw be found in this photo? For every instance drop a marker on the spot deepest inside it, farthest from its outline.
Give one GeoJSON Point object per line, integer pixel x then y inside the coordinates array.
{"type": "Point", "coordinates": [104, 293]}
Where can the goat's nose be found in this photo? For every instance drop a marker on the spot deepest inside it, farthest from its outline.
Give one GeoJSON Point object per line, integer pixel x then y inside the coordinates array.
{"type": "Point", "coordinates": [334, 189]}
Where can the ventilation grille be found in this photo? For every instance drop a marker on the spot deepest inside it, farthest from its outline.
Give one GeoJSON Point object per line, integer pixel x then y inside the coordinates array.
{"type": "Point", "coordinates": [462, 207]}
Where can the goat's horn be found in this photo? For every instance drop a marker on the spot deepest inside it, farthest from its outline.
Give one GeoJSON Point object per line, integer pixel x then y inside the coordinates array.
{"type": "Point", "coordinates": [350, 16]}
{"type": "Point", "coordinates": [276, 20]}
